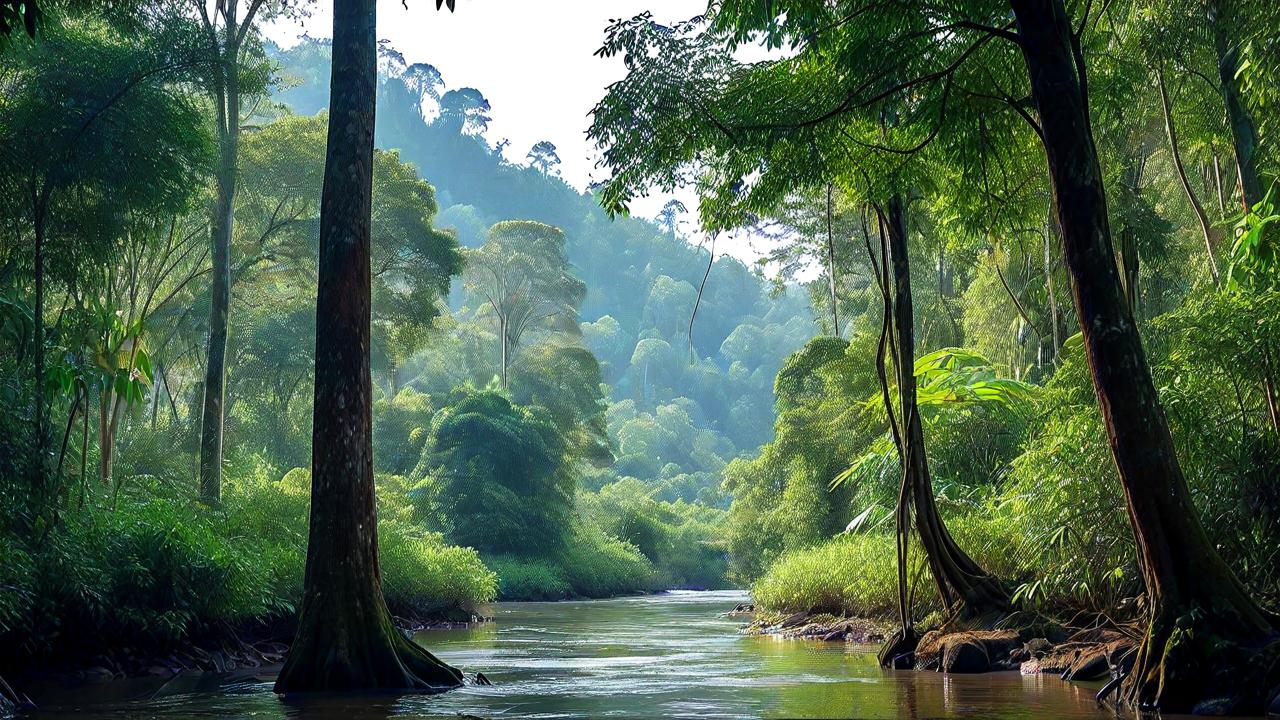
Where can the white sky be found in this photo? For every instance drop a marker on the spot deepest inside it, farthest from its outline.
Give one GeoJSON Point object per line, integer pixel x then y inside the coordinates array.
{"type": "Point", "coordinates": [534, 63]}
{"type": "Point", "coordinates": [532, 60]}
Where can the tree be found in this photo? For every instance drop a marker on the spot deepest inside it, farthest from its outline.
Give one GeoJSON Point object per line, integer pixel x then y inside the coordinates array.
{"type": "Point", "coordinates": [543, 157]}
{"type": "Point", "coordinates": [345, 638]}
{"type": "Point", "coordinates": [1201, 617]}
{"type": "Point", "coordinates": [669, 217]}
{"type": "Point", "coordinates": [465, 110]}
{"type": "Point", "coordinates": [565, 381]}
{"type": "Point", "coordinates": [499, 481]}
{"type": "Point", "coordinates": [521, 275]}
{"type": "Point", "coordinates": [233, 57]}
{"type": "Point", "coordinates": [965, 588]}
{"type": "Point", "coordinates": [75, 166]}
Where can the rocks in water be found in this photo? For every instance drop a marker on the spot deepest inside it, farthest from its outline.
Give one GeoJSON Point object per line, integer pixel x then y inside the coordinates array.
{"type": "Point", "coordinates": [821, 626]}
{"type": "Point", "coordinates": [968, 651]}
{"type": "Point", "coordinates": [741, 610]}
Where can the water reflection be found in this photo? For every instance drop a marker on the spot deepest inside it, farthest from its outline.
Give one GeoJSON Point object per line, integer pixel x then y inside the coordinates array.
{"type": "Point", "coordinates": [663, 656]}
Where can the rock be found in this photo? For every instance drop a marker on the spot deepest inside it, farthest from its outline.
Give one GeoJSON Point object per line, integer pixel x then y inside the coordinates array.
{"type": "Point", "coordinates": [1037, 647]}
{"type": "Point", "coordinates": [965, 656]}
{"type": "Point", "coordinates": [1273, 710]}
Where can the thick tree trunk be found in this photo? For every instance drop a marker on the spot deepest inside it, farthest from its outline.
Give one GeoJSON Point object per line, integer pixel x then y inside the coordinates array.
{"type": "Point", "coordinates": [965, 588]}
{"type": "Point", "coordinates": [1244, 133]}
{"type": "Point", "coordinates": [213, 415]}
{"type": "Point", "coordinates": [1206, 632]}
{"type": "Point", "coordinates": [345, 639]}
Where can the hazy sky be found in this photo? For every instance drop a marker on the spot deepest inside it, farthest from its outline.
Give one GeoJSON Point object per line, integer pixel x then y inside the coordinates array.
{"type": "Point", "coordinates": [532, 60]}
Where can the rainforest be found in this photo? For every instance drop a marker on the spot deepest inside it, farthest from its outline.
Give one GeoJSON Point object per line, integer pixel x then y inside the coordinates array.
{"type": "Point", "coordinates": [639, 358]}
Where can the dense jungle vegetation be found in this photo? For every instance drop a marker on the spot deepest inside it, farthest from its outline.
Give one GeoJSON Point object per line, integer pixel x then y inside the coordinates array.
{"type": "Point", "coordinates": [1013, 353]}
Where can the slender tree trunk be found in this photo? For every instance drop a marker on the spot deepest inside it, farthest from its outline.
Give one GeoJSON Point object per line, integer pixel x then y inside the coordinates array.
{"type": "Point", "coordinates": [965, 588]}
{"type": "Point", "coordinates": [346, 640]}
{"type": "Point", "coordinates": [831, 269]}
{"type": "Point", "coordinates": [1129, 243]}
{"type": "Point", "coordinates": [37, 355]}
{"type": "Point", "coordinates": [223, 225]}
{"type": "Point", "coordinates": [1244, 133]}
{"type": "Point", "coordinates": [1217, 184]}
{"type": "Point", "coordinates": [1205, 630]}
{"type": "Point", "coordinates": [504, 343]}
{"type": "Point", "coordinates": [1171, 131]}
{"type": "Point", "coordinates": [1054, 319]}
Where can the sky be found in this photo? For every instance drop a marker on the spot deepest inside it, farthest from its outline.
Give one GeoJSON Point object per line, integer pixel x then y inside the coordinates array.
{"type": "Point", "coordinates": [534, 62]}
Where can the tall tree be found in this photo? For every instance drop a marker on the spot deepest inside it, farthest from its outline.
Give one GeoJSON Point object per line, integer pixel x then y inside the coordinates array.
{"type": "Point", "coordinates": [226, 34]}
{"type": "Point", "coordinates": [964, 586]}
{"type": "Point", "coordinates": [346, 639]}
{"type": "Point", "coordinates": [1206, 635]}
{"type": "Point", "coordinates": [521, 275]}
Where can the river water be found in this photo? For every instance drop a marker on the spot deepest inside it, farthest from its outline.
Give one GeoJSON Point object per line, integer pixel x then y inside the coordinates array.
{"type": "Point", "coordinates": [662, 656]}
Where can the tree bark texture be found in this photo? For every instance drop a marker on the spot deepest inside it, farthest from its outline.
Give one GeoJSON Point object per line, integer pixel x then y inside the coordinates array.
{"type": "Point", "coordinates": [346, 640]}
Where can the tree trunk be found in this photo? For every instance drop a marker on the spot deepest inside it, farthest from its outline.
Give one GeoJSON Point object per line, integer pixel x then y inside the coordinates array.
{"type": "Point", "coordinates": [37, 355]}
{"type": "Point", "coordinates": [504, 343]}
{"type": "Point", "coordinates": [1175, 153]}
{"type": "Point", "coordinates": [965, 588]}
{"type": "Point", "coordinates": [1205, 631]}
{"type": "Point", "coordinates": [1055, 321]}
{"type": "Point", "coordinates": [220, 305]}
{"type": "Point", "coordinates": [831, 269]}
{"type": "Point", "coordinates": [346, 640]}
{"type": "Point", "coordinates": [1244, 134]}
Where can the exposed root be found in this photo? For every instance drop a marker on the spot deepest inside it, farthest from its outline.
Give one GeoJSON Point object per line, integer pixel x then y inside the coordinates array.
{"type": "Point", "coordinates": [1184, 666]}
{"type": "Point", "coordinates": [899, 651]}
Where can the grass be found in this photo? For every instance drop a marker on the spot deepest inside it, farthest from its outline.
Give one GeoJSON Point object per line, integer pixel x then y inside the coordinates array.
{"type": "Point", "coordinates": [856, 575]}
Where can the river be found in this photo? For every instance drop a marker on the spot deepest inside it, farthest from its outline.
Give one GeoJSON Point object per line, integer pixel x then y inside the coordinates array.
{"type": "Point", "coordinates": [669, 655]}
